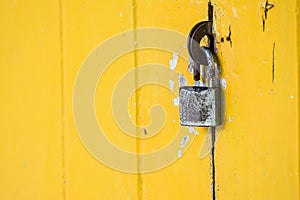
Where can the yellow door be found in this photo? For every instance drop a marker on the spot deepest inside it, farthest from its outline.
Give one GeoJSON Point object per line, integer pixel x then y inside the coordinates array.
{"type": "Point", "coordinates": [53, 73]}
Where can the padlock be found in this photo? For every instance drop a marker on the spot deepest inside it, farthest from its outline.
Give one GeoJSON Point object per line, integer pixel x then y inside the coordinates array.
{"type": "Point", "coordinates": [201, 105]}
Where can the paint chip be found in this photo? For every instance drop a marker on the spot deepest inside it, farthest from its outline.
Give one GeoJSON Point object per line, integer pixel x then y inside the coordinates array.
{"type": "Point", "coordinates": [176, 101]}
{"type": "Point", "coordinates": [197, 2]}
{"type": "Point", "coordinates": [215, 30]}
{"type": "Point", "coordinates": [184, 141]}
{"type": "Point", "coordinates": [224, 83]}
{"type": "Point", "coordinates": [179, 153]}
{"type": "Point", "coordinates": [235, 13]}
{"type": "Point", "coordinates": [121, 14]}
{"type": "Point", "coordinates": [181, 80]}
{"type": "Point", "coordinates": [171, 85]}
{"type": "Point", "coordinates": [192, 130]}
{"type": "Point", "coordinates": [230, 119]}
{"type": "Point", "coordinates": [173, 61]}
{"type": "Point", "coordinates": [190, 66]}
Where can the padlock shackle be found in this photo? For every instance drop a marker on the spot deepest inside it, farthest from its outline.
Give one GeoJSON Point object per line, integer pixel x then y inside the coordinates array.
{"type": "Point", "coordinates": [196, 52]}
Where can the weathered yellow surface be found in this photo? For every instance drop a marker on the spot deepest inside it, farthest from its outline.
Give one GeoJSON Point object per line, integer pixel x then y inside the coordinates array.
{"type": "Point", "coordinates": [43, 45]}
{"type": "Point", "coordinates": [30, 119]}
{"type": "Point", "coordinates": [257, 155]}
{"type": "Point", "coordinates": [85, 25]}
{"type": "Point", "coordinates": [189, 177]}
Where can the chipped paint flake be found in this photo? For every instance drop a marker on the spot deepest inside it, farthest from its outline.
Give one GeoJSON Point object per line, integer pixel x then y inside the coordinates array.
{"type": "Point", "coordinates": [173, 61]}
{"type": "Point", "coordinates": [223, 83]}
{"type": "Point", "coordinates": [176, 101]}
{"type": "Point", "coordinates": [235, 13]}
{"type": "Point", "coordinates": [171, 85]}
{"type": "Point", "coordinates": [215, 29]}
{"type": "Point", "coordinates": [121, 14]}
{"type": "Point", "coordinates": [190, 66]}
{"type": "Point", "coordinates": [181, 80]}
{"type": "Point", "coordinates": [230, 119]}
{"type": "Point", "coordinates": [179, 153]}
{"type": "Point", "coordinates": [184, 141]}
{"type": "Point", "coordinates": [197, 2]}
{"type": "Point", "coordinates": [192, 130]}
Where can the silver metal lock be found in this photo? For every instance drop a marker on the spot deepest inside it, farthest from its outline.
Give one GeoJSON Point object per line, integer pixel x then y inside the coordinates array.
{"type": "Point", "coordinates": [201, 105]}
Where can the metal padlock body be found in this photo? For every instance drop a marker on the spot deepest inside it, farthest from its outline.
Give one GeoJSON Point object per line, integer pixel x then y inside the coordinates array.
{"type": "Point", "coordinates": [200, 106]}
